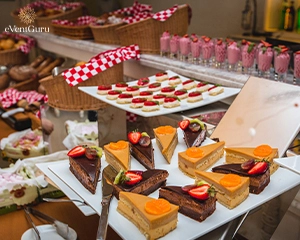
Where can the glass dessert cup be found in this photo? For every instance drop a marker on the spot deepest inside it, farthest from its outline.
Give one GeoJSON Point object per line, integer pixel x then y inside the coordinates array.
{"type": "Point", "coordinates": [296, 68]}
{"type": "Point", "coordinates": [281, 64]}
{"type": "Point", "coordinates": [265, 58]}
{"type": "Point", "coordinates": [233, 56]}
{"type": "Point", "coordinates": [185, 48]}
{"type": "Point", "coordinates": [165, 44]}
{"type": "Point", "coordinates": [220, 54]}
{"type": "Point", "coordinates": [195, 51]}
{"type": "Point", "coordinates": [206, 54]}
{"type": "Point", "coordinates": [174, 46]}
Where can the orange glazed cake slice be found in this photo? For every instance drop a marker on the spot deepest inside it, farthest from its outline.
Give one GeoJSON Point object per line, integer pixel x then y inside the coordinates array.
{"type": "Point", "coordinates": [261, 152]}
{"type": "Point", "coordinates": [153, 217]}
{"type": "Point", "coordinates": [231, 189]}
{"type": "Point", "coordinates": [166, 139]}
{"type": "Point", "coordinates": [117, 154]}
{"type": "Point", "coordinates": [200, 158]}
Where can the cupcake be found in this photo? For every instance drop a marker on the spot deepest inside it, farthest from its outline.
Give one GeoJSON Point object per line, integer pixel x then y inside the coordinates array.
{"type": "Point", "coordinates": [189, 84]}
{"type": "Point", "coordinates": [113, 94]}
{"type": "Point", "coordinates": [154, 87]}
{"type": "Point", "coordinates": [168, 91]}
{"type": "Point", "coordinates": [150, 106]}
{"type": "Point", "coordinates": [181, 94]}
{"type": "Point", "coordinates": [103, 89]}
{"type": "Point", "coordinates": [121, 86]}
{"type": "Point", "coordinates": [124, 98]}
{"type": "Point", "coordinates": [171, 102]}
{"type": "Point", "coordinates": [194, 97]}
{"type": "Point", "coordinates": [138, 102]}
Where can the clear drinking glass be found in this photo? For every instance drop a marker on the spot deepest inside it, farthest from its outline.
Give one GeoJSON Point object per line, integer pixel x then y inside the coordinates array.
{"type": "Point", "coordinates": [195, 50]}
{"type": "Point", "coordinates": [233, 56]}
{"type": "Point", "coordinates": [174, 46]}
{"type": "Point", "coordinates": [185, 47]}
{"type": "Point", "coordinates": [281, 63]}
{"type": "Point", "coordinates": [248, 58]}
{"type": "Point", "coordinates": [265, 57]}
{"type": "Point", "coordinates": [207, 51]}
{"type": "Point", "coordinates": [165, 44]}
{"type": "Point", "coordinates": [220, 53]}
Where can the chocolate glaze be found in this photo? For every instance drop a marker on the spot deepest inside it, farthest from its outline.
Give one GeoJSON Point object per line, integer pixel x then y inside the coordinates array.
{"type": "Point", "coordinates": [143, 154]}
{"type": "Point", "coordinates": [189, 206]}
{"type": "Point", "coordinates": [152, 179]}
{"type": "Point", "coordinates": [194, 139]}
{"type": "Point", "coordinates": [234, 168]}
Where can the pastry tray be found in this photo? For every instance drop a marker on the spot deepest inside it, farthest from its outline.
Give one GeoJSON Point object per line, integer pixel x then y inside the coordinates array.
{"type": "Point", "coordinates": [184, 105]}
{"type": "Point", "coordinates": [281, 181]}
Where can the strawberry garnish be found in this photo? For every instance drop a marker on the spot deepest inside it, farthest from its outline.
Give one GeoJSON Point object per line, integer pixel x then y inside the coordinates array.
{"type": "Point", "coordinates": [298, 52]}
{"type": "Point", "coordinates": [121, 84]}
{"type": "Point", "coordinates": [138, 100]}
{"type": "Point", "coordinates": [76, 151]}
{"type": "Point", "coordinates": [132, 88]}
{"type": "Point", "coordinates": [244, 41]}
{"type": "Point", "coordinates": [201, 84]}
{"type": "Point", "coordinates": [145, 93]}
{"type": "Point", "coordinates": [202, 192]}
{"type": "Point", "coordinates": [160, 74]}
{"type": "Point", "coordinates": [114, 92]}
{"type": "Point", "coordinates": [219, 42]}
{"type": "Point", "coordinates": [194, 94]}
{"type": "Point", "coordinates": [207, 39]}
{"type": "Point", "coordinates": [154, 85]}
{"type": "Point", "coordinates": [170, 99]}
{"type": "Point", "coordinates": [125, 95]}
{"type": "Point", "coordinates": [187, 81]}
{"type": "Point", "coordinates": [130, 177]}
{"type": "Point", "coordinates": [259, 168]}
{"type": "Point", "coordinates": [167, 89]}
{"type": "Point", "coordinates": [174, 78]}
{"type": "Point", "coordinates": [134, 137]}
{"type": "Point", "coordinates": [143, 81]}
{"type": "Point", "coordinates": [104, 87]}
{"type": "Point", "coordinates": [159, 96]}
{"type": "Point", "coordinates": [184, 124]}
{"type": "Point", "coordinates": [195, 40]}
{"type": "Point", "coordinates": [150, 103]}
{"type": "Point", "coordinates": [180, 92]}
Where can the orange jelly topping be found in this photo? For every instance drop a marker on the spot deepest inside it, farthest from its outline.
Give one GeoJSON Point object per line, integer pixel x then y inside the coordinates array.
{"type": "Point", "coordinates": [230, 180]}
{"type": "Point", "coordinates": [165, 130]}
{"type": "Point", "coordinates": [262, 150]}
{"type": "Point", "coordinates": [118, 145]}
{"type": "Point", "coordinates": [194, 152]}
{"type": "Point", "coordinates": [157, 206]}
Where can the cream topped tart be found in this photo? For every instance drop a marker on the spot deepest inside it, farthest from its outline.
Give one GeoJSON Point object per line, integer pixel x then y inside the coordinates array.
{"type": "Point", "coordinates": [154, 87]}
{"type": "Point", "coordinates": [134, 90]}
{"type": "Point", "coordinates": [161, 76]}
{"type": "Point", "coordinates": [150, 106]}
{"type": "Point", "coordinates": [138, 102]}
{"type": "Point", "coordinates": [121, 86]}
{"type": "Point", "coordinates": [124, 98]}
{"type": "Point", "coordinates": [174, 81]}
{"type": "Point", "coordinates": [113, 94]}
{"type": "Point", "coordinates": [143, 82]}
{"type": "Point", "coordinates": [215, 90]}
{"type": "Point", "coordinates": [202, 87]}
{"type": "Point", "coordinates": [103, 89]}
{"type": "Point", "coordinates": [146, 94]}
{"type": "Point", "coordinates": [159, 97]}
{"type": "Point", "coordinates": [189, 84]}
{"type": "Point", "coordinates": [194, 96]}
{"type": "Point", "coordinates": [168, 91]}
{"type": "Point", "coordinates": [181, 94]}
{"type": "Point", "coordinates": [171, 102]}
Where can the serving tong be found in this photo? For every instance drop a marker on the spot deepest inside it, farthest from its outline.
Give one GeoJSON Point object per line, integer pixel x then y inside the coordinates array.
{"type": "Point", "coordinates": [29, 219]}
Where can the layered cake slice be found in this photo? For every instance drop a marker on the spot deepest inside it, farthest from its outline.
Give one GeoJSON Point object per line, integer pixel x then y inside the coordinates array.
{"type": "Point", "coordinates": [85, 164]}
{"type": "Point", "coordinates": [258, 172]}
{"type": "Point", "coordinates": [200, 158]}
{"type": "Point", "coordinates": [261, 152]}
{"type": "Point", "coordinates": [194, 132]}
{"type": "Point", "coordinates": [153, 217]}
{"type": "Point", "coordinates": [142, 182]}
{"type": "Point", "coordinates": [232, 189]}
{"type": "Point", "coordinates": [197, 201]}
{"type": "Point", "coordinates": [117, 155]}
{"type": "Point", "coordinates": [166, 139]}
{"type": "Point", "coordinates": [141, 148]}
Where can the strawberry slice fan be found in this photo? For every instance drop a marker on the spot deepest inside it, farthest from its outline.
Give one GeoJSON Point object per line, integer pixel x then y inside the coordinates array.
{"type": "Point", "coordinates": [100, 63]}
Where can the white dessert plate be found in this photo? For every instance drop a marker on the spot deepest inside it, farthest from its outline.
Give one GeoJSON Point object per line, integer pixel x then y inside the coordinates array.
{"type": "Point", "coordinates": [184, 105]}
{"type": "Point", "coordinates": [291, 163]}
{"type": "Point", "coordinates": [47, 232]}
{"type": "Point", "coordinates": [281, 181]}
{"type": "Point", "coordinates": [86, 210]}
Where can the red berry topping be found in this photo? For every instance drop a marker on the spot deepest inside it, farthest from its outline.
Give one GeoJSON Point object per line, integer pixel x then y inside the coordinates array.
{"type": "Point", "coordinates": [125, 95]}
{"type": "Point", "coordinates": [194, 94]}
{"type": "Point", "coordinates": [201, 192]}
{"type": "Point", "coordinates": [180, 92]}
{"type": "Point", "coordinates": [104, 87]}
{"type": "Point", "coordinates": [143, 81]}
{"type": "Point", "coordinates": [259, 168]}
{"type": "Point", "coordinates": [150, 103]}
{"type": "Point", "coordinates": [168, 89]}
{"type": "Point", "coordinates": [201, 84]}
{"type": "Point", "coordinates": [114, 92]}
{"type": "Point", "coordinates": [139, 100]}
{"type": "Point", "coordinates": [212, 87]}
{"type": "Point", "coordinates": [154, 85]}
{"type": "Point", "coordinates": [132, 88]}
{"type": "Point", "coordinates": [133, 177]}
{"type": "Point", "coordinates": [160, 74]}
{"type": "Point", "coordinates": [134, 137]}
{"type": "Point", "coordinates": [76, 151]}
{"type": "Point", "coordinates": [188, 81]}
{"type": "Point", "coordinates": [219, 42]}
{"type": "Point", "coordinates": [184, 124]}
{"type": "Point", "coordinates": [121, 84]}
{"type": "Point", "coordinates": [174, 78]}
{"type": "Point", "coordinates": [159, 96]}
{"type": "Point", "coordinates": [195, 39]}
{"type": "Point", "coordinates": [170, 99]}
{"type": "Point", "coordinates": [207, 39]}
{"type": "Point", "coordinates": [146, 93]}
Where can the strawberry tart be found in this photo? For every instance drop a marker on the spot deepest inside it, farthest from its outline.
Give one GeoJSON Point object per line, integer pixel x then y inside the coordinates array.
{"type": "Point", "coordinates": [143, 82]}
{"type": "Point", "coordinates": [175, 80]}
{"type": "Point", "coordinates": [154, 87]}
{"type": "Point", "coordinates": [181, 94]}
{"type": "Point", "coordinates": [113, 94]}
{"type": "Point", "coordinates": [134, 90]}
{"type": "Point", "coordinates": [171, 102]}
{"type": "Point", "coordinates": [138, 102]}
{"type": "Point", "coordinates": [146, 94]}
{"type": "Point", "coordinates": [189, 84]}
{"type": "Point", "coordinates": [161, 76]}
{"type": "Point", "coordinates": [121, 86]}
{"type": "Point", "coordinates": [194, 97]}
{"type": "Point", "coordinates": [215, 90]}
{"type": "Point", "coordinates": [103, 89]}
{"type": "Point", "coordinates": [150, 106]}
{"type": "Point", "coordinates": [168, 91]}
{"type": "Point", "coordinates": [202, 87]}
{"type": "Point", "coordinates": [124, 98]}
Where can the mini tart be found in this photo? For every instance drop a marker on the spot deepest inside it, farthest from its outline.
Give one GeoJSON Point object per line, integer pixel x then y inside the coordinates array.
{"type": "Point", "coordinates": [124, 98]}
{"type": "Point", "coordinates": [202, 87]}
{"type": "Point", "coordinates": [153, 226]}
{"type": "Point", "coordinates": [173, 81]}
{"type": "Point", "coordinates": [194, 97]}
{"type": "Point", "coordinates": [168, 91]}
{"type": "Point", "coordinates": [229, 196]}
{"type": "Point", "coordinates": [143, 82]}
{"type": "Point", "coordinates": [204, 158]}
{"type": "Point", "coordinates": [121, 86]}
{"type": "Point", "coordinates": [146, 94]}
{"type": "Point", "coordinates": [138, 102]}
{"type": "Point", "coordinates": [154, 87]}
{"type": "Point", "coordinates": [150, 106]}
{"type": "Point", "coordinates": [181, 94]}
{"type": "Point", "coordinates": [113, 94]}
{"type": "Point", "coordinates": [103, 89]}
{"type": "Point", "coordinates": [166, 139]}
{"type": "Point", "coordinates": [171, 102]}
{"type": "Point", "coordinates": [160, 98]}
{"type": "Point", "coordinates": [215, 90]}
{"type": "Point", "coordinates": [117, 154]}
{"type": "Point", "coordinates": [243, 154]}
{"type": "Point", "coordinates": [162, 76]}
{"type": "Point", "coordinates": [189, 84]}
{"type": "Point", "coordinates": [134, 90]}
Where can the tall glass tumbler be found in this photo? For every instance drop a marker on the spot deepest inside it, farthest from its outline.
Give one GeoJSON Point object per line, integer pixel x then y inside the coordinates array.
{"type": "Point", "coordinates": [248, 58]}
{"type": "Point", "coordinates": [165, 44]}
{"type": "Point", "coordinates": [233, 55]}
{"type": "Point", "coordinates": [265, 58]}
{"type": "Point", "coordinates": [281, 63]}
{"type": "Point", "coordinates": [297, 67]}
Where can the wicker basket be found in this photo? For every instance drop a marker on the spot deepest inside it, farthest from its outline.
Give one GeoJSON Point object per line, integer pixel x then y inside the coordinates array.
{"type": "Point", "coordinates": [146, 33]}
{"type": "Point", "coordinates": [64, 97]}
{"type": "Point", "coordinates": [13, 57]}
{"type": "Point", "coordinates": [46, 21]}
{"type": "Point", "coordinates": [106, 34]}
{"type": "Point", "coordinates": [73, 32]}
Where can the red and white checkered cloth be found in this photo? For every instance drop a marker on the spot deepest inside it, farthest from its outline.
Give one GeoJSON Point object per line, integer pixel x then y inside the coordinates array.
{"type": "Point", "coordinates": [25, 48]}
{"type": "Point", "coordinates": [131, 117]}
{"type": "Point", "coordinates": [160, 16]}
{"type": "Point", "coordinates": [11, 96]}
{"type": "Point", "coordinates": [100, 63]}
{"type": "Point", "coordinates": [134, 9]}
{"type": "Point", "coordinates": [69, 5]}
{"type": "Point", "coordinates": [81, 21]}
{"type": "Point", "coordinates": [43, 4]}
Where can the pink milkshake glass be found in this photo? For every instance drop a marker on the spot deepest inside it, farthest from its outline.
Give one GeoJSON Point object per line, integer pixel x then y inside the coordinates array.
{"type": "Point", "coordinates": [174, 46]}
{"type": "Point", "coordinates": [196, 50]}
{"type": "Point", "coordinates": [248, 57]}
{"type": "Point", "coordinates": [165, 44]}
{"type": "Point", "coordinates": [206, 51]}
{"type": "Point", "coordinates": [265, 57]}
{"type": "Point", "coordinates": [233, 56]}
{"type": "Point", "coordinates": [185, 47]}
{"type": "Point", "coordinates": [297, 67]}
{"type": "Point", "coordinates": [281, 63]}
{"type": "Point", "coordinates": [220, 53]}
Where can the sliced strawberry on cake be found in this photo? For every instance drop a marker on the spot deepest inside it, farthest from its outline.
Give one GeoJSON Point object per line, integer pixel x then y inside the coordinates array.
{"type": "Point", "coordinates": [194, 97]}
{"type": "Point", "coordinates": [171, 102]}
{"type": "Point", "coordinates": [143, 82]}
{"type": "Point", "coordinates": [103, 89]}
{"type": "Point", "coordinates": [150, 106]}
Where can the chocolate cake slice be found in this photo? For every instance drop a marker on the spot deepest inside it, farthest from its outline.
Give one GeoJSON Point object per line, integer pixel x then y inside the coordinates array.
{"type": "Point", "coordinates": [194, 132]}
{"type": "Point", "coordinates": [87, 171]}
{"type": "Point", "coordinates": [152, 179]}
{"type": "Point", "coordinates": [191, 207]}
{"type": "Point", "coordinates": [258, 182]}
{"type": "Point", "coordinates": [143, 154]}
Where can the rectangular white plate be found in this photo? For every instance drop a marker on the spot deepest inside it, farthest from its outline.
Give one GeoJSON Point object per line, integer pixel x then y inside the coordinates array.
{"type": "Point", "coordinates": [292, 163]}
{"type": "Point", "coordinates": [86, 210]}
{"type": "Point", "coordinates": [281, 181]}
{"type": "Point", "coordinates": [184, 105]}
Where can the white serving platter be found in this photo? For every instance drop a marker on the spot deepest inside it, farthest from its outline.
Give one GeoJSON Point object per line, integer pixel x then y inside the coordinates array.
{"type": "Point", "coordinates": [281, 181]}
{"type": "Point", "coordinates": [184, 105]}
{"type": "Point", "coordinates": [292, 163]}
